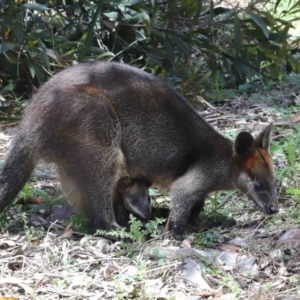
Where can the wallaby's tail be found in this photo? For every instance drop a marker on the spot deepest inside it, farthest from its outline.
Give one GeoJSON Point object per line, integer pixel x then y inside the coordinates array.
{"type": "Point", "coordinates": [16, 170]}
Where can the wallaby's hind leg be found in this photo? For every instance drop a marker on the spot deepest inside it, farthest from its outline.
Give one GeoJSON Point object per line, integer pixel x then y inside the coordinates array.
{"type": "Point", "coordinates": [16, 170]}
{"type": "Point", "coordinates": [195, 211]}
{"type": "Point", "coordinates": [89, 185]}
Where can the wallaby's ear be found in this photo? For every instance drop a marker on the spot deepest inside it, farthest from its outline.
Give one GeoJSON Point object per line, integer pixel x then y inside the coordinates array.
{"type": "Point", "coordinates": [264, 137]}
{"type": "Point", "coordinates": [123, 184]}
{"type": "Point", "coordinates": [244, 144]}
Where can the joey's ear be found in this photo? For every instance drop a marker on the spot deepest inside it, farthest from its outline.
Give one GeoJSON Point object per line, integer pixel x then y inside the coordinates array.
{"type": "Point", "coordinates": [123, 184]}
{"type": "Point", "coordinates": [264, 137]}
{"type": "Point", "coordinates": [244, 144]}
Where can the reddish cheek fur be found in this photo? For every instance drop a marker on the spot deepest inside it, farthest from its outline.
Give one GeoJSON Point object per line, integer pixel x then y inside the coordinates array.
{"type": "Point", "coordinates": [259, 160]}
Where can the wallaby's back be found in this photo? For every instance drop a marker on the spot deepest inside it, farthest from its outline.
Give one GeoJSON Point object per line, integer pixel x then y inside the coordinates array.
{"type": "Point", "coordinates": [149, 112]}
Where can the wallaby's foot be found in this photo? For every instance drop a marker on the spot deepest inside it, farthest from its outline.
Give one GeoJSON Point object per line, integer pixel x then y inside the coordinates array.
{"type": "Point", "coordinates": [195, 211]}
{"type": "Point", "coordinates": [176, 229]}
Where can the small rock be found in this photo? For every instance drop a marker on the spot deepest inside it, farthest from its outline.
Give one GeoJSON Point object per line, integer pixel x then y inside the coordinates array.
{"type": "Point", "coordinates": [130, 270]}
{"type": "Point", "coordinates": [229, 247]}
{"type": "Point", "coordinates": [61, 212]}
{"type": "Point", "coordinates": [277, 254]}
{"type": "Point", "coordinates": [290, 239]}
{"type": "Point", "coordinates": [239, 241]}
{"type": "Point", "coordinates": [290, 297]}
{"type": "Point", "coordinates": [192, 272]}
{"type": "Point", "coordinates": [228, 296]}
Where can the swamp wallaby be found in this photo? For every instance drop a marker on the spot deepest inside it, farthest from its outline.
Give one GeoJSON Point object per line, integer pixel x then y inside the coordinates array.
{"type": "Point", "coordinates": [132, 196]}
{"type": "Point", "coordinates": [101, 121]}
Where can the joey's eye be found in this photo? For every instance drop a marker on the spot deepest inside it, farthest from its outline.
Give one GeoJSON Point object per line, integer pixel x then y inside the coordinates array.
{"type": "Point", "coordinates": [134, 200]}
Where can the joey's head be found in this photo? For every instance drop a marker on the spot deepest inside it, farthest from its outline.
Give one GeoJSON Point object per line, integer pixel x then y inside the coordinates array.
{"type": "Point", "coordinates": [135, 196]}
{"type": "Point", "coordinates": [256, 176]}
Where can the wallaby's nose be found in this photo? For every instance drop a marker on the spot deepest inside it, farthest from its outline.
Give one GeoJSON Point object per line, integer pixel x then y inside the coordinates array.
{"type": "Point", "coordinates": [274, 209]}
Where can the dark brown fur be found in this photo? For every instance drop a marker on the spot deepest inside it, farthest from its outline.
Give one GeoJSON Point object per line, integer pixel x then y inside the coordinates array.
{"type": "Point", "coordinates": [99, 122]}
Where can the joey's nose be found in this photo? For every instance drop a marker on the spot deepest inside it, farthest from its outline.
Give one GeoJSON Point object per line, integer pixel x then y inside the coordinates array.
{"type": "Point", "coordinates": [147, 214]}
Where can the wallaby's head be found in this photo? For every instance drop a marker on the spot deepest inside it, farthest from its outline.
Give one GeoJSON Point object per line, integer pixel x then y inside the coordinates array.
{"type": "Point", "coordinates": [134, 193]}
{"type": "Point", "coordinates": [256, 177]}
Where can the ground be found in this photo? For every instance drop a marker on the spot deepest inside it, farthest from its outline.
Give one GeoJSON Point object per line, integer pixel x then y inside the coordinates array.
{"type": "Point", "coordinates": [233, 251]}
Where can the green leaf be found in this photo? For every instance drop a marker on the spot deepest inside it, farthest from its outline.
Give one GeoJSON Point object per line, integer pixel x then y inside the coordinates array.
{"type": "Point", "coordinates": [169, 48]}
{"type": "Point", "coordinates": [145, 17]}
{"type": "Point", "coordinates": [106, 54]}
{"type": "Point", "coordinates": [276, 5]}
{"type": "Point", "coordinates": [228, 14]}
{"type": "Point", "coordinates": [295, 64]}
{"type": "Point", "coordinates": [11, 59]}
{"type": "Point", "coordinates": [89, 35]}
{"type": "Point", "coordinates": [39, 75]}
{"type": "Point", "coordinates": [259, 22]}
{"type": "Point", "coordinates": [6, 46]}
{"type": "Point", "coordinates": [44, 55]}
{"type": "Point", "coordinates": [294, 6]}
{"type": "Point", "coordinates": [32, 6]}
{"type": "Point", "coordinates": [237, 35]}
{"type": "Point", "coordinates": [181, 45]}
{"type": "Point", "coordinates": [192, 77]}
{"type": "Point", "coordinates": [269, 19]}
{"type": "Point", "coordinates": [154, 5]}
{"type": "Point", "coordinates": [113, 15]}
{"type": "Point", "coordinates": [172, 10]}
{"type": "Point", "coordinates": [31, 68]}
{"type": "Point", "coordinates": [241, 66]}
{"type": "Point", "coordinates": [8, 88]}
{"type": "Point", "coordinates": [204, 78]}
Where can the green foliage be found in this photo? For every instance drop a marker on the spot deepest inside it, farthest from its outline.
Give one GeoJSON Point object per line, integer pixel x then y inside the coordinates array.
{"type": "Point", "coordinates": [191, 40]}
{"type": "Point", "coordinates": [7, 220]}
{"type": "Point", "coordinates": [289, 148]}
{"type": "Point", "coordinates": [79, 223]}
{"type": "Point", "coordinates": [31, 232]}
{"type": "Point", "coordinates": [208, 239]}
{"type": "Point", "coordinates": [137, 231]}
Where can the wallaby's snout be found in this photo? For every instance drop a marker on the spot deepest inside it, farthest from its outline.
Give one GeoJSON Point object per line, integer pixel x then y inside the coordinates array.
{"type": "Point", "coordinates": [267, 201]}
{"type": "Point", "coordinates": [273, 209]}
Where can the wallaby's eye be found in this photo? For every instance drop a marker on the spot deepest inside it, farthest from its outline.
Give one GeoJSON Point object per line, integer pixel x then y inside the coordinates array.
{"type": "Point", "coordinates": [134, 200]}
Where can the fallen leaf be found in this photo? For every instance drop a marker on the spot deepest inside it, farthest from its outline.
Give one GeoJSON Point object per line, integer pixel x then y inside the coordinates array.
{"type": "Point", "coordinates": [30, 200]}
{"type": "Point", "coordinates": [229, 247]}
{"type": "Point", "coordinates": [294, 118]}
{"type": "Point", "coordinates": [66, 235]}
